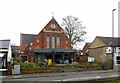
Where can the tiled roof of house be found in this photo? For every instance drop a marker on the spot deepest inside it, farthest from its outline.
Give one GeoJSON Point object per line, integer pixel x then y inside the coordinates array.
{"type": "Point", "coordinates": [111, 41]}
{"type": "Point", "coordinates": [15, 47]}
{"type": "Point", "coordinates": [27, 38]}
{"type": "Point", "coordinates": [4, 44]}
{"type": "Point", "coordinates": [88, 44]}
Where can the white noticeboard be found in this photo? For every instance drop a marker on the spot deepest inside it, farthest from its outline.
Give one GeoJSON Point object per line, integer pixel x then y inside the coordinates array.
{"type": "Point", "coordinates": [91, 59]}
{"type": "Point", "coordinates": [16, 69]}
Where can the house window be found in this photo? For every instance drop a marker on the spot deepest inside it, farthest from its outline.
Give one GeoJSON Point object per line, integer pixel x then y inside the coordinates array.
{"type": "Point", "coordinates": [53, 42]}
{"type": "Point", "coordinates": [1, 63]}
{"type": "Point", "coordinates": [48, 42]}
{"type": "Point", "coordinates": [58, 42]}
{"type": "Point", "coordinates": [118, 59]}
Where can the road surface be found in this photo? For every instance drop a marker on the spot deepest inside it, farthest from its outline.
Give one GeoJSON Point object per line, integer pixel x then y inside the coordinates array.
{"type": "Point", "coordinates": [61, 77]}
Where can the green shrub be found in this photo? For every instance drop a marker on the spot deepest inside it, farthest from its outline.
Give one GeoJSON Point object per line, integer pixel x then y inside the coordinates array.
{"type": "Point", "coordinates": [87, 66]}
{"type": "Point", "coordinates": [94, 64]}
{"type": "Point", "coordinates": [75, 64]}
{"type": "Point", "coordinates": [42, 64]}
{"type": "Point", "coordinates": [16, 61]}
{"type": "Point", "coordinates": [27, 64]}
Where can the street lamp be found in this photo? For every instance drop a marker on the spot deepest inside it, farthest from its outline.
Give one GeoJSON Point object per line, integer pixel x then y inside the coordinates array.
{"type": "Point", "coordinates": [113, 22]}
{"type": "Point", "coordinates": [113, 36]}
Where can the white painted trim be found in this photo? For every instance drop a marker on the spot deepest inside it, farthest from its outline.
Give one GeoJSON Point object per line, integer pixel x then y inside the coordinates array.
{"type": "Point", "coordinates": [3, 50]}
{"type": "Point", "coordinates": [9, 56]}
{"type": "Point", "coordinates": [53, 31]}
{"type": "Point", "coordinates": [3, 69]}
{"type": "Point", "coordinates": [1, 54]}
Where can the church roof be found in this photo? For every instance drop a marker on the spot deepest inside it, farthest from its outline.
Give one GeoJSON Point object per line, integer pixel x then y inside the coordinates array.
{"type": "Point", "coordinates": [27, 38]}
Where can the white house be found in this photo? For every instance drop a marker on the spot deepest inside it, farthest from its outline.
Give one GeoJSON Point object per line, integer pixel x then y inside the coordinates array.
{"type": "Point", "coordinates": [117, 53]}
{"type": "Point", "coordinates": [117, 59]}
{"type": "Point", "coordinates": [5, 55]}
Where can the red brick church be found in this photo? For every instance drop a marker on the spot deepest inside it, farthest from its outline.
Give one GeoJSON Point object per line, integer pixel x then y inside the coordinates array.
{"type": "Point", "coordinates": [50, 43]}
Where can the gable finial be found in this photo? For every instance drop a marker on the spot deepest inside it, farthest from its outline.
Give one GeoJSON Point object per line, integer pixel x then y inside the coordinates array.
{"type": "Point", "coordinates": [52, 14]}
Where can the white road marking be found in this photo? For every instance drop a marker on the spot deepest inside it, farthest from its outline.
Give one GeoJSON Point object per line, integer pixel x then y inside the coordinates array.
{"type": "Point", "coordinates": [81, 78]}
{"type": "Point", "coordinates": [114, 76]}
{"type": "Point", "coordinates": [98, 77]}
{"type": "Point", "coordinates": [57, 80]}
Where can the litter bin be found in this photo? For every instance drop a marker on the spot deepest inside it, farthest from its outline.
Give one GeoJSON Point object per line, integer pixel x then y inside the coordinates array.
{"type": "Point", "coordinates": [105, 66]}
{"type": "Point", "coordinates": [16, 69]}
{"type": "Point", "coordinates": [49, 61]}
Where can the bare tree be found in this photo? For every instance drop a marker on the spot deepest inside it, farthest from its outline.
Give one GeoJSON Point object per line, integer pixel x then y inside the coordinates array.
{"type": "Point", "coordinates": [73, 29]}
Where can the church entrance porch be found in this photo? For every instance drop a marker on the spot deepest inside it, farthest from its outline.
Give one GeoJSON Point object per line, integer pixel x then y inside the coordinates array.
{"type": "Point", "coordinates": [57, 57]}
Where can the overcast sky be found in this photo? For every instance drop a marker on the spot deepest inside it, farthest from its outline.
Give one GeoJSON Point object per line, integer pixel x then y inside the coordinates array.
{"type": "Point", "coordinates": [30, 16]}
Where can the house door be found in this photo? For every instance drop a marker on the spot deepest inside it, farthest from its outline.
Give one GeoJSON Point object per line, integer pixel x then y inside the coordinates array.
{"type": "Point", "coordinates": [24, 58]}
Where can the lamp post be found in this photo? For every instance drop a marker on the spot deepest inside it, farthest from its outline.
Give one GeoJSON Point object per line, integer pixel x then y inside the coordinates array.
{"type": "Point", "coordinates": [113, 22]}
{"type": "Point", "coordinates": [113, 36]}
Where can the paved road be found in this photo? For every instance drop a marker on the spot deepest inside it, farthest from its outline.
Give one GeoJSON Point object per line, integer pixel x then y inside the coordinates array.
{"type": "Point", "coordinates": [62, 77]}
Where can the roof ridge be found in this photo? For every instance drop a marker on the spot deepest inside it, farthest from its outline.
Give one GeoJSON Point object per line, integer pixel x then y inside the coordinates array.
{"type": "Point", "coordinates": [28, 34]}
{"type": "Point", "coordinates": [4, 39]}
{"type": "Point", "coordinates": [108, 37]}
{"type": "Point", "coordinates": [107, 40]}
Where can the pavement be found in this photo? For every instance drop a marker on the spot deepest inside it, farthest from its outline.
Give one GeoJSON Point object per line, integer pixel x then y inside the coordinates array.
{"type": "Point", "coordinates": [53, 74]}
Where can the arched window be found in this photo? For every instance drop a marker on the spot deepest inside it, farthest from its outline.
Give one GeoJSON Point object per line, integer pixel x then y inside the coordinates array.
{"type": "Point", "coordinates": [53, 41]}
{"type": "Point", "coordinates": [58, 42]}
{"type": "Point", "coordinates": [48, 42]}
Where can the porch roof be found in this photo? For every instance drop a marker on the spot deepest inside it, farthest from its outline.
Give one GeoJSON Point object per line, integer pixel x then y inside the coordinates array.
{"type": "Point", "coordinates": [54, 50]}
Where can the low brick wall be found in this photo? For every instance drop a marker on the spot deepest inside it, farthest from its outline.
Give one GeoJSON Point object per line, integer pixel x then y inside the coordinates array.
{"type": "Point", "coordinates": [83, 59]}
{"type": "Point", "coordinates": [41, 70]}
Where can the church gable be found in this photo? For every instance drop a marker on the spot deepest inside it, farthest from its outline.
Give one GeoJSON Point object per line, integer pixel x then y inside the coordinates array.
{"type": "Point", "coordinates": [52, 26]}
{"type": "Point", "coordinates": [52, 29]}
